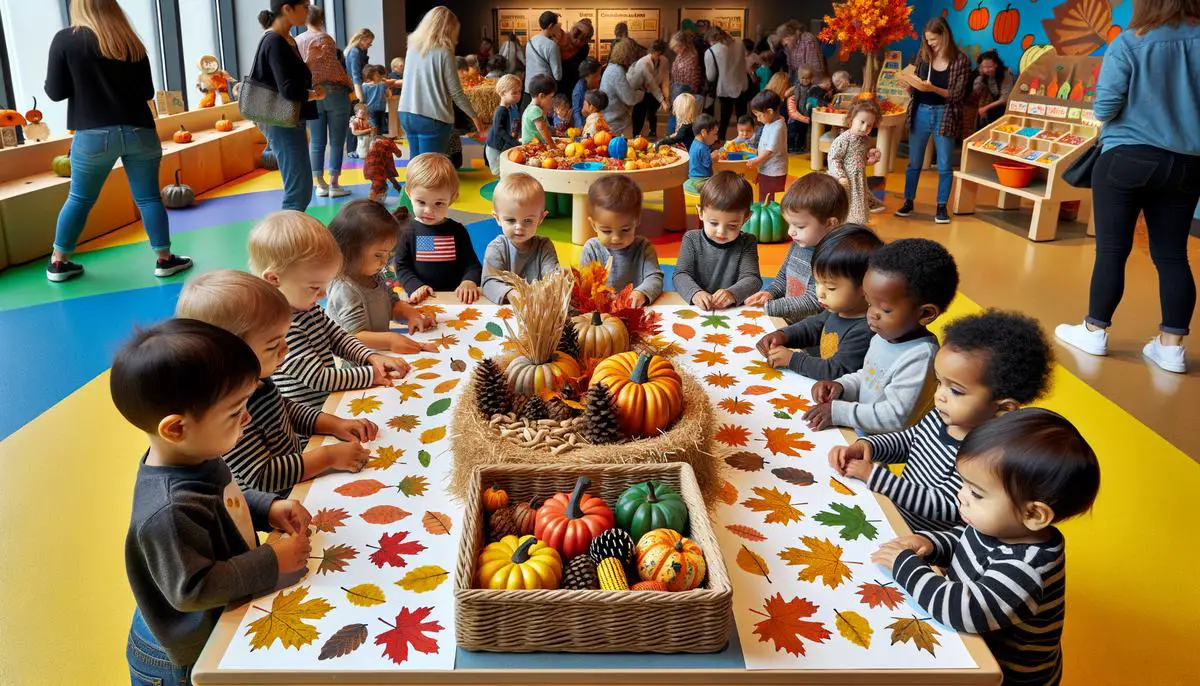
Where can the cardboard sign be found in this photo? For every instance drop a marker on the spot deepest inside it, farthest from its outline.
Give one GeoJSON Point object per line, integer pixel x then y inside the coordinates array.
{"type": "Point", "coordinates": [169, 102]}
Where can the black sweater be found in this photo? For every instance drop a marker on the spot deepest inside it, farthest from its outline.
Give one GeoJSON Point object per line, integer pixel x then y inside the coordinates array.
{"type": "Point", "coordinates": [100, 91]}
{"type": "Point", "coordinates": [423, 260]}
{"type": "Point", "coordinates": [278, 64]}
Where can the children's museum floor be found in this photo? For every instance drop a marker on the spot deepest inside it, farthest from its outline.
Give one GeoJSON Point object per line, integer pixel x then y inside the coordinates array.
{"type": "Point", "coordinates": [69, 459]}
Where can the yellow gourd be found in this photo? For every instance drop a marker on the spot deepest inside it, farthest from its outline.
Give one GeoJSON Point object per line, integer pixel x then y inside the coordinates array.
{"type": "Point", "coordinates": [612, 575]}
{"type": "Point", "coordinates": [519, 564]}
{"type": "Point", "coordinates": [665, 556]}
{"type": "Point", "coordinates": [601, 335]}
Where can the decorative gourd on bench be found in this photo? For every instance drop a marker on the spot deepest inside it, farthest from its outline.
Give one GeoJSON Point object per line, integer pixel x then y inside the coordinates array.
{"type": "Point", "coordinates": [223, 125]}
{"type": "Point", "coordinates": [61, 166]}
{"type": "Point", "coordinates": [182, 135]}
{"type": "Point", "coordinates": [178, 195]}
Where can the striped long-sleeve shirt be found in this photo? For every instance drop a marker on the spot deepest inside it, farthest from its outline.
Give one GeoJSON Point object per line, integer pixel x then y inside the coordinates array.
{"type": "Point", "coordinates": [268, 457]}
{"type": "Point", "coordinates": [308, 374]}
{"type": "Point", "coordinates": [794, 289]}
{"type": "Point", "coordinates": [1012, 594]}
{"type": "Point", "coordinates": [927, 493]}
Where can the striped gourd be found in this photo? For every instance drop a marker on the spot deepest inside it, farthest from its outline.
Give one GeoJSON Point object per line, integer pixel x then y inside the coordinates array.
{"type": "Point", "coordinates": [612, 575]}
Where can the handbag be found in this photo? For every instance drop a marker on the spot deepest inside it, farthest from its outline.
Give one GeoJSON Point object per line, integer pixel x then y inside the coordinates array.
{"type": "Point", "coordinates": [263, 104]}
{"type": "Point", "coordinates": [1079, 174]}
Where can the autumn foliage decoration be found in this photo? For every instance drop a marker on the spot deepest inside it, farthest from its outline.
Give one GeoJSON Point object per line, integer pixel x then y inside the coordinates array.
{"type": "Point", "coordinates": [867, 26]}
{"type": "Point", "coordinates": [591, 293]}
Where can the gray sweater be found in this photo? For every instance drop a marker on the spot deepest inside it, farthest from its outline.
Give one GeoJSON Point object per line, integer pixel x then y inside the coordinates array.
{"type": "Point", "coordinates": [187, 554]}
{"type": "Point", "coordinates": [637, 265]}
{"type": "Point", "coordinates": [621, 98]}
{"type": "Point", "coordinates": [832, 345]}
{"type": "Point", "coordinates": [707, 266]}
{"type": "Point", "coordinates": [794, 289]}
{"type": "Point", "coordinates": [537, 259]}
{"type": "Point", "coordinates": [431, 86]}
{"type": "Point", "coordinates": [358, 308]}
{"type": "Point", "coordinates": [542, 56]}
{"type": "Point", "coordinates": [893, 388]}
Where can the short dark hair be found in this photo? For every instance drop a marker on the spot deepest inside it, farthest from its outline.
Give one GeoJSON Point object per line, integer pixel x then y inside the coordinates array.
{"type": "Point", "coordinates": [460, 62]}
{"type": "Point", "coordinates": [1040, 457]}
{"type": "Point", "coordinates": [845, 253]}
{"type": "Point", "coordinates": [266, 18]}
{"type": "Point", "coordinates": [561, 100]}
{"type": "Point", "coordinates": [358, 224]}
{"type": "Point", "coordinates": [926, 266]}
{"type": "Point", "coordinates": [486, 39]}
{"type": "Point", "coordinates": [542, 84]}
{"type": "Point", "coordinates": [1016, 354]}
{"type": "Point", "coordinates": [588, 67]}
{"type": "Point", "coordinates": [179, 366]}
{"type": "Point", "coordinates": [818, 194]}
{"type": "Point", "coordinates": [597, 99]}
{"type": "Point", "coordinates": [703, 123]}
{"type": "Point", "coordinates": [746, 120]}
{"type": "Point", "coordinates": [726, 192]}
{"type": "Point", "coordinates": [659, 45]}
{"type": "Point", "coordinates": [496, 63]}
{"type": "Point", "coordinates": [616, 193]}
{"type": "Point", "coordinates": [547, 19]}
{"type": "Point", "coordinates": [766, 101]}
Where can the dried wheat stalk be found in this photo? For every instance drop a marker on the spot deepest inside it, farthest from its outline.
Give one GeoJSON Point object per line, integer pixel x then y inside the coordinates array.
{"type": "Point", "coordinates": [540, 308]}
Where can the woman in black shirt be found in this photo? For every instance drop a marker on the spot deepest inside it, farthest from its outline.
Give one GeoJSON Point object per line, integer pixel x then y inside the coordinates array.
{"type": "Point", "coordinates": [99, 66]}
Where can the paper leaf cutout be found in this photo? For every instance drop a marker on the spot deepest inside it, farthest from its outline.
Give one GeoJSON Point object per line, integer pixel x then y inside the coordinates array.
{"type": "Point", "coordinates": [750, 329]}
{"type": "Point", "coordinates": [423, 363]}
{"type": "Point", "coordinates": [785, 624]}
{"type": "Point", "coordinates": [433, 435]}
{"type": "Point", "coordinates": [410, 629]}
{"type": "Point", "coordinates": [780, 414]}
{"type": "Point", "coordinates": [736, 406]}
{"type": "Point", "coordinates": [745, 461]}
{"type": "Point", "coordinates": [766, 371]}
{"type": "Point", "coordinates": [457, 324]}
{"type": "Point", "coordinates": [285, 620]}
{"type": "Point", "coordinates": [494, 329]}
{"type": "Point", "coordinates": [720, 380]}
{"type": "Point", "coordinates": [752, 313]}
{"type": "Point", "coordinates": [780, 441]}
{"type": "Point", "coordinates": [484, 336]}
{"type": "Point", "coordinates": [797, 477]}
{"type": "Point", "coordinates": [423, 457]}
{"type": "Point", "coordinates": [404, 422]}
{"type": "Point", "coordinates": [776, 503]}
{"type": "Point", "coordinates": [662, 346]}
{"type": "Point", "coordinates": [686, 314]}
{"type": "Point", "coordinates": [753, 563]}
{"type": "Point", "coordinates": [413, 485]}
{"type": "Point", "coordinates": [445, 341]}
{"type": "Point", "coordinates": [716, 321]}
{"type": "Point", "coordinates": [854, 627]}
{"type": "Point", "coordinates": [384, 514]}
{"type": "Point", "coordinates": [360, 488]}
{"type": "Point", "coordinates": [408, 390]}
{"type": "Point", "coordinates": [759, 390]}
{"type": "Point", "coordinates": [439, 406]}
{"type": "Point", "coordinates": [365, 595]}
{"type": "Point", "coordinates": [717, 338]}
{"type": "Point", "coordinates": [437, 523]}
{"type": "Point", "coordinates": [335, 558]}
{"type": "Point", "coordinates": [364, 405]}
{"type": "Point", "coordinates": [710, 358]}
{"type": "Point", "coordinates": [746, 532]}
{"type": "Point", "coordinates": [727, 493]}
{"type": "Point", "coordinates": [385, 456]}
{"type": "Point", "coordinates": [821, 560]}
{"type": "Point", "coordinates": [840, 487]}
{"type": "Point", "coordinates": [742, 349]}
{"type": "Point", "coordinates": [790, 403]}
{"type": "Point", "coordinates": [444, 387]}
{"type": "Point", "coordinates": [1079, 27]}
{"type": "Point", "coordinates": [392, 548]}
{"type": "Point", "coordinates": [344, 641]}
{"type": "Point", "coordinates": [919, 632]}
{"type": "Point", "coordinates": [474, 353]}
{"type": "Point", "coordinates": [732, 435]}
{"type": "Point", "coordinates": [428, 376]}
{"type": "Point", "coordinates": [684, 331]}
{"type": "Point", "coordinates": [876, 594]}
{"type": "Point", "coordinates": [852, 520]}
{"type": "Point", "coordinates": [328, 520]}
{"type": "Point", "coordinates": [423, 579]}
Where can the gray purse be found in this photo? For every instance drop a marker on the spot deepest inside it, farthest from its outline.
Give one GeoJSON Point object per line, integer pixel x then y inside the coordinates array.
{"type": "Point", "coordinates": [262, 104]}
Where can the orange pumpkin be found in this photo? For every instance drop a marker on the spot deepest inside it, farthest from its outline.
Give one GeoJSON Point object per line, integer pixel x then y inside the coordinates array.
{"type": "Point", "coordinates": [223, 124]}
{"type": "Point", "coordinates": [11, 118]}
{"type": "Point", "coordinates": [649, 586]}
{"type": "Point", "coordinates": [647, 391]}
{"type": "Point", "coordinates": [517, 155]}
{"type": "Point", "coordinates": [979, 17]}
{"type": "Point", "coordinates": [495, 498]}
{"type": "Point", "coordinates": [182, 135]}
{"type": "Point", "coordinates": [667, 557]}
{"type": "Point", "coordinates": [34, 115]}
{"type": "Point", "coordinates": [1007, 23]}
{"type": "Point", "coordinates": [568, 523]}
{"type": "Point", "coordinates": [602, 139]}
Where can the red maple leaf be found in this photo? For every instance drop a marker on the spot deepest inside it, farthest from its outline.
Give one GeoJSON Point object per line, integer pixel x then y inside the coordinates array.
{"type": "Point", "coordinates": [732, 435]}
{"type": "Point", "coordinates": [785, 625]}
{"type": "Point", "coordinates": [875, 594]}
{"type": "Point", "coordinates": [408, 629]}
{"type": "Point", "coordinates": [392, 547]}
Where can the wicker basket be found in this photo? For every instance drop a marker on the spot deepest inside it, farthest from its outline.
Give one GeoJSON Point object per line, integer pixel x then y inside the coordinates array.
{"type": "Point", "coordinates": [696, 621]}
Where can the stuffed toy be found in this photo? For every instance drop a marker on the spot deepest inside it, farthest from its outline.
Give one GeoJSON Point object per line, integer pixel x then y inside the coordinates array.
{"type": "Point", "coordinates": [212, 80]}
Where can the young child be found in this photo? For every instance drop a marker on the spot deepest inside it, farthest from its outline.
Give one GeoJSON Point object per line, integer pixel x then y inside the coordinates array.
{"type": "Point", "coordinates": [534, 126]}
{"type": "Point", "coordinates": [910, 283]}
{"type": "Point", "coordinates": [747, 132]}
{"type": "Point", "coordinates": [685, 109]}
{"type": "Point", "coordinates": [701, 154]}
{"type": "Point", "coordinates": [296, 253]}
{"type": "Point", "coordinates": [363, 129]}
{"type": "Point", "coordinates": [434, 253]}
{"type": "Point", "coordinates": [495, 67]}
{"type": "Point", "coordinates": [989, 364]}
{"type": "Point", "coordinates": [505, 121]}
{"type": "Point", "coordinates": [379, 168]}
{"type": "Point", "coordinates": [589, 80]}
{"type": "Point", "coordinates": [771, 159]}
{"type": "Point", "coordinates": [520, 207]}
{"type": "Point", "coordinates": [615, 204]}
{"type": "Point", "coordinates": [798, 114]}
{"type": "Point", "coordinates": [833, 342]}
{"type": "Point", "coordinates": [1006, 572]}
{"type": "Point", "coordinates": [191, 548]}
{"type": "Point", "coordinates": [396, 75]}
{"type": "Point", "coordinates": [718, 264]}
{"type": "Point", "coordinates": [270, 455]}
{"type": "Point", "coordinates": [819, 95]}
{"type": "Point", "coordinates": [763, 73]}
{"type": "Point", "coordinates": [841, 83]}
{"type": "Point", "coordinates": [472, 66]}
{"type": "Point", "coordinates": [813, 206]}
{"type": "Point", "coordinates": [594, 104]}
{"type": "Point", "coordinates": [561, 119]}
{"type": "Point", "coordinates": [375, 95]}
{"type": "Point", "coordinates": [359, 299]}
{"type": "Point", "coordinates": [849, 155]}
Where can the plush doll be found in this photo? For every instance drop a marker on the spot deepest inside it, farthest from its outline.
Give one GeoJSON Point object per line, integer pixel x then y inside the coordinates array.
{"type": "Point", "coordinates": [212, 80]}
{"type": "Point", "coordinates": [35, 128]}
{"type": "Point", "coordinates": [380, 167]}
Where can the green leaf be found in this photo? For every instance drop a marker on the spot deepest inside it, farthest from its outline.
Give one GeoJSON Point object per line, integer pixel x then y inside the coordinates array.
{"type": "Point", "coordinates": [423, 457]}
{"type": "Point", "coordinates": [413, 485]}
{"type": "Point", "coordinates": [494, 329]}
{"type": "Point", "coordinates": [437, 407]}
{"type": "Point", "coordinates": [783, 415]}
{"type": "Point", "coordinates": [852, 520]}
{"type": "Point", "coordinates": [716, 321]}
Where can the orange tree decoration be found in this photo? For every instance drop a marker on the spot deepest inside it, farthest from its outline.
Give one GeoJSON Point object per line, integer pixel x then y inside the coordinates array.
{"type": "Point", "coordinates": [867, 26]}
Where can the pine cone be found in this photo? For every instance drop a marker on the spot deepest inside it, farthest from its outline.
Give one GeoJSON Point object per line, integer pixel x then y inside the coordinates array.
{"type": "Point", "coordinates": [559, 410]}
{"type": "Point", "coordinates": [491, 389]}
{"type": "Point", "coordinates": [580, 574]}
{"type": "Point", "coordinates": [600, 425]}
{"type": "Point", "coordinates": [612, 543]}
{"type": "Point", "coordinates": [569, 342]}
{"type": "Point", "coordinates": [535, 409]}
{"type": "Point", "coordinates": [502, 524]}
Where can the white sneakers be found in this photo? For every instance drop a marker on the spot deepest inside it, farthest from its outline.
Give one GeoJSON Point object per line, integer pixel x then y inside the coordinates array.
{"type": "Point", "coordinates": [1168, 357]}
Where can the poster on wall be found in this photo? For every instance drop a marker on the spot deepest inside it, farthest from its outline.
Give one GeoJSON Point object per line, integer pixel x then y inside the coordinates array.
{"type": "Point", "coordinates": [732, 20]}
{"type": "Point", "coordinates": [513, 21]}
{"type": "Point", "coordinates": [572, 16]}
{"type": "Point", "coordinates": [524, 22]}
{"type": "Point", "coordinates": [645, 26]}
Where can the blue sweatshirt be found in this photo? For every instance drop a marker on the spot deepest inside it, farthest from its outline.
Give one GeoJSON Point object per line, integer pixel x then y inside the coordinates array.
{"type": "Point", "coordinates": [577, 103]}
{"type": "Point", "coordinates": [1146, 94]}
{"type": "Point", "coordinates": [700, 164]}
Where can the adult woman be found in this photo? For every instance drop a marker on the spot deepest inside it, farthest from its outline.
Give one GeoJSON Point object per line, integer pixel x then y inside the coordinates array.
{"type": "Point", "coordinates": [802, 50]}
{"type": "Point", "coordinates": [573, 46]}
{"type": "Point", "coordinates": [725, 63]}
{"type": "Point", "coordinates": [333, 111]}
{"type": "Point", "coordinates": [686, 76]}
{"type": "Point", "coordinates": [511, 51]}
{"type": "Point", "coordinates": [939, 87]}
{"type": "Point", "coordinates": [992, 87]}
{"type": "Point", "coordinates": [622, 95]}
{"type": "Point", "coordinates": [1150, 164]}
{"type": "Point", "coordinates": [100, 66]}
{"type": "Point", "coordinates": [356, 58]}
{"type": "Point", "coordinates": [431, 84]}
{"type": "Point", "coordinates": [652, 74]}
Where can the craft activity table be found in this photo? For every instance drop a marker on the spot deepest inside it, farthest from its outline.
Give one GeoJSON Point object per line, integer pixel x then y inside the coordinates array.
{"type": "Point", "coordinates": [888, 141]}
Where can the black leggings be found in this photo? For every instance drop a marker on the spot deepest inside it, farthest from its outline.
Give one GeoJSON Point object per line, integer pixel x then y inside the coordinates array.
{"type": "Point", "coordinates": [646, 111]}
{"type": "Point", "coordinates": [728, 107]}
{"type": "Point", "coordinates": [1165, 186]}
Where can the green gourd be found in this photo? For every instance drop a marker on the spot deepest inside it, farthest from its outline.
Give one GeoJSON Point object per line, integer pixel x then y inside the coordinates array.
{"type": "Point", "coordinates": [766, 223]}
{"type": "Point", "coordinates": [648, 506]}
{"type": "Point", "coordinates": [61, 166]}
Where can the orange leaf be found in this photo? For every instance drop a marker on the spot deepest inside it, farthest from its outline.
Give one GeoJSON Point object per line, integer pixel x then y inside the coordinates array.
{"type": "Point", "coordinates": [747, 532]}
{"type": "Point", "coordinates": [504, 313]}
{"type": "Point", "coordinates": [328, 520]}
{"type": "Point", "coordinates": [840, 487]}
{"type": "Point", "coordinates": [360, 488]}
{"type": "Point", "coordinates": [436, 523]}
{"type": "Point", "coordinates": [484, 335]}
{"type": "Point", "coordinates": [426, 376]}
{"type": "Point", "coordinates": [717, 338]}
{"type": "Point", "coordinates": [759, 390]}
{"type": "Point", "coordinates": [821, 559]}
{"type": "Point", "coordinates": [446, 341]}
{"type": "Point", "coordinates": [735, 406]}
{"type": "Point", "coordinates": [684, 331]}
{"type": "Point", "coordinates": [423, 363]}
{"type": "Point", "coordinates": [469, 314]}
{"type": "Point", "coordinates": [720, 380]}
{"type": "Point", "coordinates": [785, 624]}
{"type": "Point", "coordinates": [776, 503]}
{"type": "Point", "coordinates": [457, 324]}
{"type": "Point", "coordinates": [752, 314]}
{"type": "Point", "coordinates": [749, 329]}
{"type": "Point", "coordinates": [1078, 27]}
{"type": "Point", "coordinates": [384, 514]}
{"type": "Point", "coordinates": [445, 386]}
{"type": "Point", "coordinates": [782, 441]}
{"type": "Point", "coordinates": [742, 349]}
{"type": "Point", "coordinates": [790, 403]}
{"type": "Point", "coordinates": [920, 632]}
{"type": "Point", "coordinates": [710, 357]}
{"type": "Point", "coordinates": [727, 493]}
{"type": "Point", "coordinates": [876, 594]}
{"type": "Point", "coordinates": [732, 435]}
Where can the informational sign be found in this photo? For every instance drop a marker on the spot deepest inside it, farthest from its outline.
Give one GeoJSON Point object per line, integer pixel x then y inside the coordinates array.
{"type": "Point", "coordinates": [524, 22]}
{"type": "Point", "coordinates": [889, 86]}
{"type": "Point", "coordinates": [514, 21]}
{"type": "Point", "coordinates": [645, 26]}
{"type": "Point", "coordinates": [730, 19]}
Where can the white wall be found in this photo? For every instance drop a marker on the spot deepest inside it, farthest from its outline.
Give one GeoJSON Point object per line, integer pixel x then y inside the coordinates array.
{"type": "Point", "coordinates": [367, 14]}
{"type": "Point", "coordinates": [29, 28]}
{"type": "Point", "coordinates": [198, 25]}
{"type": "Point", "coordinates": [248, 34]}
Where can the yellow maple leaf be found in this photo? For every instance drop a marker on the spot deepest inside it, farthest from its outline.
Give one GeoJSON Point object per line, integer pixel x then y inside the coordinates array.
{"type": "Point", "coordinates": [919, 632]}
{"type": "Point", "coordinates": [854, 628]}
{"type": "Point", "coordinates": [475, 353]}
{"type": "Point", "coordinates": [778, 504]}
{"type": "Point", "coordinates": [710, 357]}
{"type": "Point", "coordinates": [365, 595]}
{"type": "Point", "coordinates": [433, 435]}
{"type": "Point", "coordinates": [404, 422]}
{"type": "Point", "coordinates": [408, 390]}
{"type": "Point", "coordinates": [822, 559]}
{"type": "Point", "coordinates": [790, 403]}
{"type": "Point", "coordinates": [423, 363]}
{"type": "Point", "coordinates": [385, 457]}
{"type": "Point", "coordinates": [484, 335]}
{"type": "Point", "coordinates": [364, 405]}
{"type": "Point", "coordinates": [662, 346]}
{"type": "Point", "coordinates": [423, 579]}
{"type": "Point", "coordinates": [766, 371]}
{"type": "Point", "coordinates": [285, 620]}
{"type": "Point", "coordinates": [445, 386]}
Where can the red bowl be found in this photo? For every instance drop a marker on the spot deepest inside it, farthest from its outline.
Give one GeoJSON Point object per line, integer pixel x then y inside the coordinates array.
{"type": "Point", "coordinates": [1014, 174]}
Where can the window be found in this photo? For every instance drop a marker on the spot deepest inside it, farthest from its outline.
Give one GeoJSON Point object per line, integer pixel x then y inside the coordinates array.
{"type": "Point", "coordinates": [198, 24]}
{"type": "Point", "coordinates": [29, 27]}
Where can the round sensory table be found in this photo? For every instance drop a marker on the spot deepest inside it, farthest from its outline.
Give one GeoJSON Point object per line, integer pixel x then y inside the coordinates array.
{"type": "Point", "coordinates": [888, 141]}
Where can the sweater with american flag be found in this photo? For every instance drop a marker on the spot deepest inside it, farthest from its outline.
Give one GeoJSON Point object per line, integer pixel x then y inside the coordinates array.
{"type": "Point", "coordinates": [309, 372]}
{"type": "Point", "coordinates": [440, 256]}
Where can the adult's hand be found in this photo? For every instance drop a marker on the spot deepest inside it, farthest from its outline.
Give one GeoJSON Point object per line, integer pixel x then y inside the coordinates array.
{"type": "Point", "coordinates": [481, 127]}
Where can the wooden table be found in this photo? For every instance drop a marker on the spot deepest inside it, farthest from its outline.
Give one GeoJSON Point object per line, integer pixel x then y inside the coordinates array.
{"type": "Point", "coordinates": [721, 668]}
{"type": "Point", "coordinates": [888, 142]}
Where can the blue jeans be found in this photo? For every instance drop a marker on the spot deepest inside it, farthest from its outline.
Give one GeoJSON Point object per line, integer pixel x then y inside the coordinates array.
{"type": "Point", "coordinates": [926, 122]}
{"type": "Point", "coordinates": [330, 127]}
{"type": "Point", "coordinates": [148, 662]}
{"type": "Point", "coordinates": [291, 149]}
{"type": "Point", "coordinates": [93, 153]}
{"type": "Point", "coordinates": [425, 134]}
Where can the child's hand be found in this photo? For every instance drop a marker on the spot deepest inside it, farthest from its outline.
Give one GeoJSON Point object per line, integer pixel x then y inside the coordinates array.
{"type": "Point", "coordinates": [291, 553]}
{"type": "Point", "coordinates": [639, 299]}
{"type": "Point", "coordinates": [844, 181]}
{"type": "Point", "coordinates": [363, 430]}
{"type": "Point", "coordinates": [758, 299]}
{"type": "Point", "coordinates": [753, 162]}
{"type": "Point", "coordinates": [722, 299]}
{"type": "Point", "coordinates": [387, 369]}
{"type": "Point", "coordinates": [404, 345]}
{"type": "Point", "coordinates": [827, 391]}
{"type": "Point", "coordinates": [873, 156]}
{"type": "Point", "coordinates": [779, 356]}
{"type": "Point", "coordinates": [467, 292]}
{"type": "Point", "coordinates": [842, 455]}
{"type": "Point", "coordinates": [859, 469]}
{"type": "Point", "coordinates": [346, 457]}
{"type": "Point", "coordinates": [774, 339]}
{"type": "Point", "coordinates": [920, 545]}
{"type": "Point", "coordinates": [420, 294]}
{"type": "Point", "coordinates": [888, 552]}
{"type": "Point", "coordinates": [421, 321]}
{"type": "Point", "coordinates": [819, 417]}
{"type": "Point", "coordinates": [703, 300]}
{"type": "Point", "coordinates": [715, 154]}
{"type": "Point", "coordinates": [289, 516]}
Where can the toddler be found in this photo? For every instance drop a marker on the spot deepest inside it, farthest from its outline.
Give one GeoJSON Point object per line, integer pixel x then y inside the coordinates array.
{"type": "Point", "coordinates": [379, 167]}
{"type": "Point", "coordinates": [503, 134]}
{"type": "Point", "coordinates": [762, 74]}
{"type": "Point", "coordinates": [615, 212]}
{"type": "Point", "coordinates": [814, 205]}
{"type": "Point", "coordinates": [798, 115]}
{"type": "Point", "coordinates": [909, 283]}
{"type": "Point", "coordinates": [594, 104]}
{"type": "Point", "coordinates": [561, 119]}
{"type": "Point", "coordinates": [747, 132]}
{"type": "Point", "coordinates": [989, 364]}
{"type": "Point", "coordinates": [771, 159]}
{"type": "Point", "coordinates": [270, 454]}
{"type": "Point", "coordinates": [533, 120]}
{"type": "Point", "coordinates": [363, 129]}
{"type": "Point", "coordinates": [685, 110]}
{"type": "Point", "coordinates": [520, 207]}
{"type": "Point", "coordinates": [701, 154]}
{"type": "Point", "coordinates": [841, 83]}
{"type": "Point", "coordinates": [589, 80]}
{"type": "Point", "coordinates": [833, 342]}
{"type": "Point", "coordinates": [396, 75]}
{"type": "Point", "coordinates": [295, 253]}
{"type": "Point", "coordinates": [375, 95]}
{"type": "Point", "coordinates": [434, 253]}
{"type": "Point", "coordinates": [849, 155]}
{"type": "Point", "coordinates": [191, 549]}
{"type": "Point", "coordinates": [359, 298]}
{"type": "Point", "coordinates": [718, 263]}
{"type": "Point", "coordinates": [1006, 571]}
{"type": "Point", "coordinates": [495, 67]}
{"type": "Point", "coordinates": [819, 95]}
